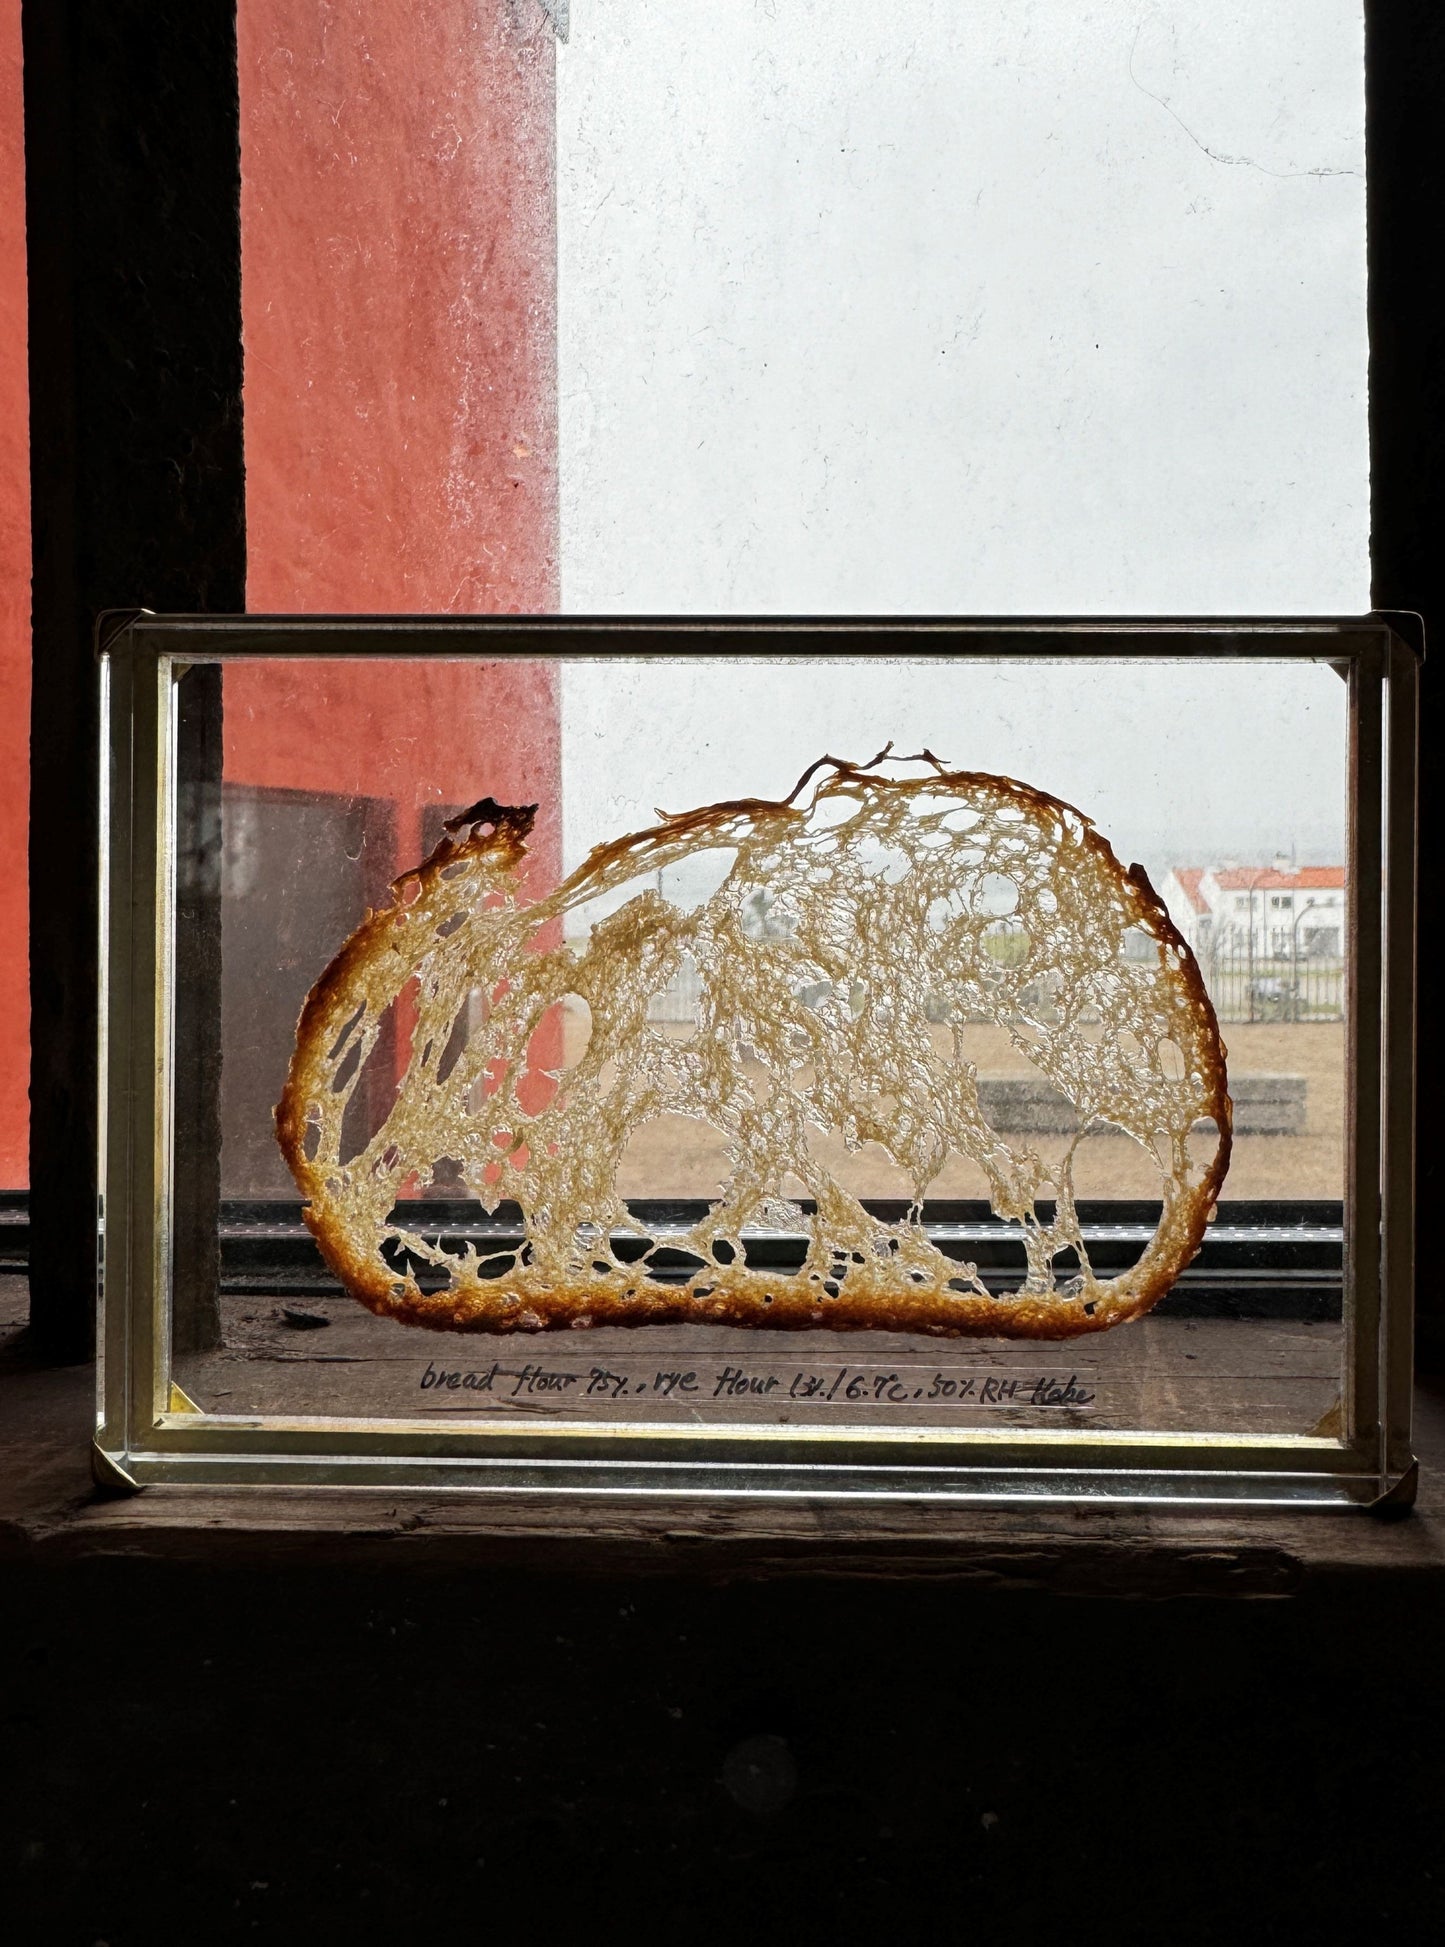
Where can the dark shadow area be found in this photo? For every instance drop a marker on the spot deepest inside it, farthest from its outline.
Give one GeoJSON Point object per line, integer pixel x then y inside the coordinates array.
{"type": "Point", "coordinates": [328, 1754]}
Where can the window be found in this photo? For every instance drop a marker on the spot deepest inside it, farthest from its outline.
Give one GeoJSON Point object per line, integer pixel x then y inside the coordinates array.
{"type": "Point", "coordinates": [649, 408]}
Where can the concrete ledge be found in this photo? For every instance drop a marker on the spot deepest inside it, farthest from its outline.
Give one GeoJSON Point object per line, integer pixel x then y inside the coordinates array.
{"type": "Point", "coordinates": [1264, 1105]}
{"type": "Point", "coordinates": [1269, 1105]}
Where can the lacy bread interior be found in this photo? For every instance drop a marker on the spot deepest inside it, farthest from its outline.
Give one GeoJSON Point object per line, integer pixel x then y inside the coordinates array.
{"type": "Point", "coordinates": [854, 918]}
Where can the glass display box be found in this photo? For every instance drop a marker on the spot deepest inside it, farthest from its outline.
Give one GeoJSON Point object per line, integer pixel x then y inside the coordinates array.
{"type": "Point", "coordinates": [737, 1059]}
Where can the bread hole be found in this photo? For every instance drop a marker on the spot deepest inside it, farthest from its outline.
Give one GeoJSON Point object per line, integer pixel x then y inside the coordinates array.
{"type": "Point", "coordinates": [1104, 1161]}
{"type": "Point", "coordinates": [962, 818]}
{"type": "Point", "coordinates": [767, 917]}
{"type": "Point", "coordinates": [1137, 945]}
{"type": "Point", "coordinates": [489, 1082]}
{"type": "Point", "coordinates": [1007, 944]}
{"type": "Point", "coordinates": [374, 1077]}
{"type": "Point", "coordinates": [352, 1024]}
{"type": "Point", "coordinates": [1201, 1146]}
{"type": "Point", "coordinates": [832, 810]}
{"type": "Point", "coordinates": [311, 1137]}
{"type": "Point", "coordinates": [673, 1010]}
{"type": "Point", "coordinates": [998, 895]}
{"type": "Point", "coordinates": [668, 1263]}
{"type": "Point", "coordinates": [673, 1155]}
{"type": "Point", "coordinates": [868, 1169]}
{"type": "Point", "coordinates": [762, 1083]}
{"type": "Point", "coordinates": [574, 1023]}
{"type": "Point", "coordinates": [346, 1073]}
{"type": "Point", "coordinates": [1170, 1057]}
{"type": "Point", "coordinates": [880, 860]}
{"type": "Point", "coordinates": [500, 1265]}
{"type": "Point", "coordinates": [855, 999]}
{"type": "Point", "coordinates": [1040, 998]}
{"type": "Point", "coordinates": [450, 924]}
{"type": "Point", "coordinates": [891, 867]}
{"type": "Point", "coordinates": [456, 1041]}
{"type": "Point", "coordinates": [561, 1037]}
{"type": "Point", "coordinates": [693, 881]}
{"type": "Point", "coordinates": [946, 910]}
{"type": "Point", "coordinates": [586, 920]}
{"type": "Point", "coordinates": [535, 1090]}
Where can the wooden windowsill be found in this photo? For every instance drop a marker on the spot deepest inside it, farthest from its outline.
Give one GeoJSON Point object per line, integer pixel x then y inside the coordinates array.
{"type": "Point", "coordinates": [50, 1512]}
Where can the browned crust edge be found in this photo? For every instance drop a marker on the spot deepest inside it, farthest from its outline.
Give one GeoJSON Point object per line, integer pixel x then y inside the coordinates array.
{"type": "Point", "coordinates": [789, 1303]}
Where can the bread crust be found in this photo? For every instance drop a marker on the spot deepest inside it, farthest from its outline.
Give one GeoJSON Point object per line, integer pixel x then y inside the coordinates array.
{"type": "Point", "coordinates": [465, 912]}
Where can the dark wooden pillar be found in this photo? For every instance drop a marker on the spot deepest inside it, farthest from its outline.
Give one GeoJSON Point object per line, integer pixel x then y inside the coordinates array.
{"type": "Point", "coordinates": [1405, 62]}
{"type": "Point", "coordinates": [133, 232]}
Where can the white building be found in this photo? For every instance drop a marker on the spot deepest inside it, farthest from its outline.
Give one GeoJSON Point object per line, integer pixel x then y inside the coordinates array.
{"type": "Point", "coordinates": [1259, 912]}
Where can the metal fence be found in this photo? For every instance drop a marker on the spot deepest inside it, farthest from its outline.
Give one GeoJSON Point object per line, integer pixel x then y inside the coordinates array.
{"type": "Point", "coordinates": [1261, 989]}
{"type": "Point", "coordinates": [1247, 986]}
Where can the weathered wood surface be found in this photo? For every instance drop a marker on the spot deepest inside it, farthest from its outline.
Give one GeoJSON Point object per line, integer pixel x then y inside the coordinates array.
{"type": "Point", "coordinates": [49, 1511]}
{"type": "Point", "coordinates": [288, 1355]}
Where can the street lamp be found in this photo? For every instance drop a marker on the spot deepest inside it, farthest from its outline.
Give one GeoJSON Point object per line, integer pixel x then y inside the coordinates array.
{"type": "Point", "coordinates": [1254, 886]}
{"type": "Point", "coordinates": [1308, 906]}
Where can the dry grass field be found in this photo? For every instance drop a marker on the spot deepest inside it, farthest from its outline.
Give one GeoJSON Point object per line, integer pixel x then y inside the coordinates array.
{"type": "Point", "coordinates": [675, 1156]}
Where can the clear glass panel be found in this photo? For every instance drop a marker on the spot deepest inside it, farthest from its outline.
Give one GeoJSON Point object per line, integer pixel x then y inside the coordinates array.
{"type": "Point", "coordinates": [811, 306]}
{"type": "Point", "coordinates": [1225, 779]}
{"type": "Point", "coordinates": [1016, 307]}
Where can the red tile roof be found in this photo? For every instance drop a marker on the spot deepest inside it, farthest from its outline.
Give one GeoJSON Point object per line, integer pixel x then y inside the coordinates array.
{"type": "Point", "coordinates": [1189, 877]}
{"type": "Point", "coordinates": [1309, 878]}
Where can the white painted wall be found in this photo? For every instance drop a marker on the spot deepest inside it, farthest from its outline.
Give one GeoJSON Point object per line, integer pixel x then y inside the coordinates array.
{"type": "Point", "coordinates": [976, 306]}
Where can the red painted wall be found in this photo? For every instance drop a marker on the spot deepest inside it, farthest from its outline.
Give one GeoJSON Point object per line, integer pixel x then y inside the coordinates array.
{"type": "Point", "coordinates": [14, 620]}
{"type": "Point", "coordinates": [399, 284]}
{"type": "Point", "coordinates": [398, 262]}
{"type": "Point", "coordinates": [399, 297]}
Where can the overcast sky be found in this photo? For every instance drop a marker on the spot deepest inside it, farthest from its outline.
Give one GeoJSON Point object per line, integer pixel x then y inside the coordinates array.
{"type": "Point", "coordinates": [1005, 307]}
{"type": "Point", "coordinates": [1176, 763]}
